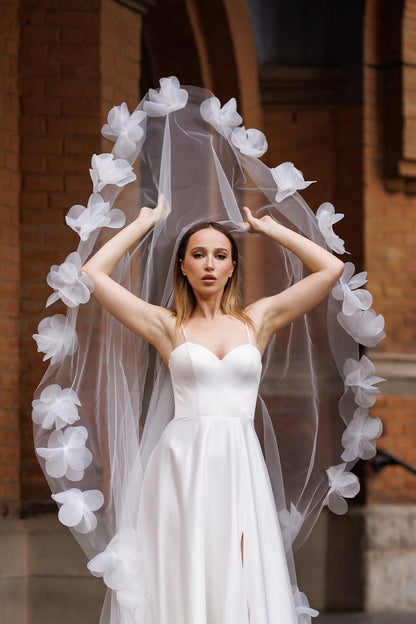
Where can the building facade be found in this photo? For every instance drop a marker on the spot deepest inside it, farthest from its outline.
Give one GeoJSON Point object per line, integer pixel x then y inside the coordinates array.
{"type": "Point", "coordinates": [335, 93]}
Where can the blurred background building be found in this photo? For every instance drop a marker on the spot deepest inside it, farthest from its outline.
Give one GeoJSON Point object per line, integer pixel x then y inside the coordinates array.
{"type": "Point", "coordinates": [333, 86]}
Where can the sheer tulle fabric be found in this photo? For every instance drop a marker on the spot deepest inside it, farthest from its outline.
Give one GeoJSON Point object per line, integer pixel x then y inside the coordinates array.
{"type": "Point", "coordinates": [115, 387]}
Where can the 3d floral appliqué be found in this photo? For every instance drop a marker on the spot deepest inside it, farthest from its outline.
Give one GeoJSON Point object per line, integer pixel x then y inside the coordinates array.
{"type": "Point", "coordinates": [359, 437]}
{"type": "Point", "coordinates": [250, 142]}
{"type": "Point", "coordinates": [77, 508]}
{"type": "Point", "coordinates": [365, 326]}
{"type": "Point", "coordinates": [359, 375]}
{"type": "Point", "coordinates": [69, 284]}
{"type": "Point", "coordinates": [342, 484]}
{"type": "Point", "coordinates": [349, 292]}
{"type": "Point", "coordinates": [303, 610]}
{"type": "Point", "coordinates": [105, 169]}
{"type": "Point", "coordinates": [97, 214]}
{"type": "Point", "coordinates": [120, 566]}
{"type": "Point", "coordinates": [169, 98]}
{"type": "Point", "coordinates": [56, 406]}
{"type": "Point", "coordinates": [223, 119]}
{"type": "Point", "coordinates": [288, 180]}
{"type": "Point", "coordinates": [66, 454]}
{"type": "Point", "coordinates": [56, 338]}
{"type": "Point", "coordinates": [124, 129]}
{"type": "Point", "coordinates": [327, 217]}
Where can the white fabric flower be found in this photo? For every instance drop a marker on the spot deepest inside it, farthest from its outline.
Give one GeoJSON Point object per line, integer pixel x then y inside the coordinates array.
{"type": "Point", "coordinates": [290, 521]}
{"type": "Point", "coordinates": [108, 170]}
{"type": "Point", "coordinates": [303, 610]}
{"type": "Point", "coordinates": [56, 338]}
{"type": "Point", "coordinates": [124, 129]}
{"type": "Point", "coordinates": [77, 508]}
{"type": "Point", "coordinates": [66, 454]}
{"type": "Point", "coordinates": [69, 284]}
{"type": "Point", "coordinates": [97, 214]}
{"type": "Point", "coordinates": [224, 119]}
{"type": "Point", "coordinates": [327, 217]}
{"type": "Point", "coordinates": [349, 292]}
{"type": "Point", "coordinates": [364, 326]}
{"type": "Point", "coordinates": [359, 375]}
{"type": "Point", "coordinates": [56, 406]}
{"type": "Point", "coordinates": [359, 437]}
{"type": "Point", "coordinates": [170, 97]}
{"type": "Point", "coordinates": [250, 142]}
{"type": "Point", "coordinates": [120, 566]}
{"type": "Point", "coordinates": [288, 180]}
{"type": "Point", "coordinates": [342, 483]}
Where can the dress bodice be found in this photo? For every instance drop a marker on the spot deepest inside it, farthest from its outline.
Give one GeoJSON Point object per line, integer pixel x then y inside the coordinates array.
{"type": "Point", "coordinates": [206, 386]}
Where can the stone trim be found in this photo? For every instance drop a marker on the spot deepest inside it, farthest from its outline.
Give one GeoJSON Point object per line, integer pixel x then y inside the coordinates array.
{"type": "Point", "coordinates": [399, 370]}
{"type": "Point", "coordinates": [283, 86]}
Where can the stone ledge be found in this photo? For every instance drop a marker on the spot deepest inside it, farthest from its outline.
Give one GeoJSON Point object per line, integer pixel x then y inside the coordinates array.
{"type": "Point", "coordinates": [399, 370]}
{"type": "Point", "coordinates": [43, 575]}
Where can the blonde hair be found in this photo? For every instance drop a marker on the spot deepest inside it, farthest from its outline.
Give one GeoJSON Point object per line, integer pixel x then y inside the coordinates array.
{"type": "Point", "coordinates": [184, 301]}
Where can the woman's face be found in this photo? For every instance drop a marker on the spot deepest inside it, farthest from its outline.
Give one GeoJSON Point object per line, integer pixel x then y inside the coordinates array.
{"type": "Point", "coordinates": [208, 262]}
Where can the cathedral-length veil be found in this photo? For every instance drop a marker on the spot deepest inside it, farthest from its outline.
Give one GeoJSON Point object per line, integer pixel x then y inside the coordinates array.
{"type": "Point", "coordinates": [106, 397]}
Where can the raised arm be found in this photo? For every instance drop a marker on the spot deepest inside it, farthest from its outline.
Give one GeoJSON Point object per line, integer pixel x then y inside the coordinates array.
{"type": "Point", "coordinates": [147, 320]}
{"type": "Point", "coordinates": [273, 313]}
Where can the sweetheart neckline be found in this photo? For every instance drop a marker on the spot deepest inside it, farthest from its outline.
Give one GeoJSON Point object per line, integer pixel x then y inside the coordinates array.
{"type": "Point", "coordinates": [196, 344]}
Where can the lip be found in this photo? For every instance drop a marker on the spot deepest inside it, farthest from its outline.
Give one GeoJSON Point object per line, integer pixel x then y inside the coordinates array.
{"type": "Point", "coordinates": [209, 278]}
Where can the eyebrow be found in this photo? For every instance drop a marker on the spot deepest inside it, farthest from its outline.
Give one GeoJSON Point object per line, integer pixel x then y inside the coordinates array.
{"type": "Point", "coordinates": [204, 249]}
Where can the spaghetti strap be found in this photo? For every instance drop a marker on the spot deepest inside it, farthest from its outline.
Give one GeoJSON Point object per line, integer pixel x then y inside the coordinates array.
{"type": "Point", "coordinates": [248, 333]}
{"type": "Point", "coordinates": [184, 333]}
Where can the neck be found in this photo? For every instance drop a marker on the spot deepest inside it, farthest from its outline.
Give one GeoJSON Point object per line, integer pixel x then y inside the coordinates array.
{"type": "Point", "coordinates": [209, 307]}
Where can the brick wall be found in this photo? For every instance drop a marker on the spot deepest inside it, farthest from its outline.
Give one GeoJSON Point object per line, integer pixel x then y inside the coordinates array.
{"type": "Point", "coordinates": [389, 241]}
{"type": "Point", "coordinates": [325, 143]}
{"type": "Point", "coordinates": [9, 259]}
{"type": "Point", "coordinates": [395, 484]}
{"type": "Point", "coordinates": [77, 59]}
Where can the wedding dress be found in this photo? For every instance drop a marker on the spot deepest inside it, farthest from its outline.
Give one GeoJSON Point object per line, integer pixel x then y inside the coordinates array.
{"type": "Point", "coordinates": [205, 490]}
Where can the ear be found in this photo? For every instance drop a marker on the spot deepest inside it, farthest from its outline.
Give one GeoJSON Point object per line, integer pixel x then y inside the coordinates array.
{"type": "Point", "coordinates": [182, 269]}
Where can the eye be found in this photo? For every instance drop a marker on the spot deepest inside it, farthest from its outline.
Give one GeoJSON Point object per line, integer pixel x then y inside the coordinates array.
{"type": "Point", "coordinates": [197, 254]}
{"type": "Point", "coordinates": [221, 256]}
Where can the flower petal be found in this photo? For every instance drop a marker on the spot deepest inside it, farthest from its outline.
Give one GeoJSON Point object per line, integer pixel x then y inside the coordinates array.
{"type": "Point", "coordinates": [250, 142]}
{"type": "Point", "coordinates": [56, 338]}
{"type": "Point", "coordinates": [169, 98]}
{"type": "Point", "coordinates": [288, 180]}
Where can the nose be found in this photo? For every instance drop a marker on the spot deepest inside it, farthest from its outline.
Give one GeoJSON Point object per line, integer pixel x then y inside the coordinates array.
{"type": "Point", "coordinates": [209, 261]}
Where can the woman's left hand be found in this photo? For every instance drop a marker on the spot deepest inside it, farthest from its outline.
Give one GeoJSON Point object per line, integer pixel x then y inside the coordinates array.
{"type": "Point", "coordinates": [153, 215]}
{"type": "Point", "coordinates": [253, 224]}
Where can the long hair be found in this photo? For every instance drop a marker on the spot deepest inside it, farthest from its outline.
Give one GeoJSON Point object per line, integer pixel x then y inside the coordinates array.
{"type": "Point", "coordinates": [184, 302]}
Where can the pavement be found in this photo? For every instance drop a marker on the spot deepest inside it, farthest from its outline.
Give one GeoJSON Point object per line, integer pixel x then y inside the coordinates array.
{"type": "Point", "coordinates": [365, 618]}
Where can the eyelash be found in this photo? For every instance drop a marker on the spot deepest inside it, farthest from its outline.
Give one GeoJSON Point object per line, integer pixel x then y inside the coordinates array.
{"type": "Point", "coordinates": [200, 255]}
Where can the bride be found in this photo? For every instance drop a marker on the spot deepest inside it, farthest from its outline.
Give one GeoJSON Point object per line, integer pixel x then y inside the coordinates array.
{"type": "Point", "coordinates": [183, 486]}
{"type": "Point", "coordinates": [200, 462]}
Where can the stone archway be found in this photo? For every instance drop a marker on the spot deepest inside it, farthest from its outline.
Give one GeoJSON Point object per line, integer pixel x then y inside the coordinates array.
{"type": "Point", "coordinates": [204, 43]}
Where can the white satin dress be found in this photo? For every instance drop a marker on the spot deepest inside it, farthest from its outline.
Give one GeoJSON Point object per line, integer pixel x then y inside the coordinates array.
{"type": "Point", "coordinates": [205, 486]}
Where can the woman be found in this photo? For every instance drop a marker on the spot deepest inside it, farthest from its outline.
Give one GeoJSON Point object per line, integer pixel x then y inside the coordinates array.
{"type": "Point", "coordinates": [208, 266]}
{"type": "Point", "coordinates": [210, 402]}
{"type": "Point", "coordinates": [163, 480]}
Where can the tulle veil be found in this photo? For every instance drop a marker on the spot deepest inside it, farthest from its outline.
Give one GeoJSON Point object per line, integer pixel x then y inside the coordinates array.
{"type": "Point", "coordinates": [106, 396]}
